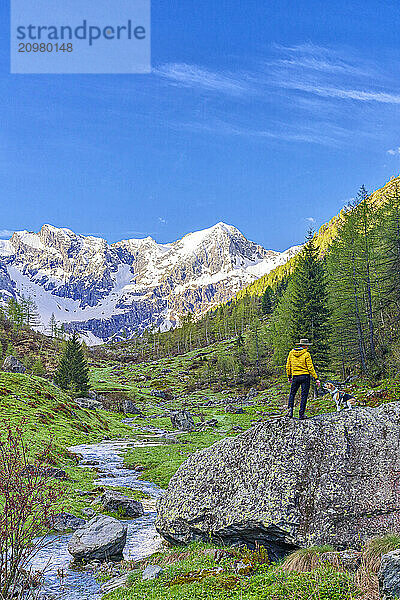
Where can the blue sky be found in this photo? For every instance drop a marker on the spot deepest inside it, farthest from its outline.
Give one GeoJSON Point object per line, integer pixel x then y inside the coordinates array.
{"type": "Point", "coordinates": [262, 114]}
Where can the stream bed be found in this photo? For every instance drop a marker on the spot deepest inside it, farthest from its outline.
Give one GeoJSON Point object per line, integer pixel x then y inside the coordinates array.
{"type": "Point", "coordinates": [142, 540]}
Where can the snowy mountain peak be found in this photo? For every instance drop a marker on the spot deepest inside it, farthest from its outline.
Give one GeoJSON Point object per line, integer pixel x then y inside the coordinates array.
{"type": "Point", "coordinates": [104, 289]}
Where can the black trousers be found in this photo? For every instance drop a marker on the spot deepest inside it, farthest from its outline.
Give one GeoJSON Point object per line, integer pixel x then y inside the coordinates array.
{"type": "Point", "coordinates": [304, 382]}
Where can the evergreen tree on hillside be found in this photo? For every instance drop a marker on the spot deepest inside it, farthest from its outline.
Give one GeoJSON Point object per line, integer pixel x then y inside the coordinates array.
{"type": "Point", "coordinates": [73, 374]}
{"type": "Point", "coordinates": [30, 313]}
{"type": "Point", "coordinates": [389, 217]}
{"type": "Point", "coordinates": [15, 313]}
{"type": "Point", "coordinates": [267, 301]}
{"type": "Point", "coordinates": [281, 334]}
{"type": "Point", "coordinates": [355, 288]}
{"type": "Point", "coordinates": [310, 312]}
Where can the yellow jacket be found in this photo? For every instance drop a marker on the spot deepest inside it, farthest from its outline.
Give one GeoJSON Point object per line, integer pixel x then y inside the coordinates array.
{"type": "Point", "coordinates": [299, 363]}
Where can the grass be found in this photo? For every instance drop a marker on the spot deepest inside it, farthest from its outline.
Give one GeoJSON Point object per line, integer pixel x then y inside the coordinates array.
{"type": "Point", "coordinates": [376, 548]}
{"type": "Point", "coordinates": [305, 559]}
{"type": "Point", "coordinates": [50, 416]}
{"type": "Point", "coordinates": [194, 574]}
{"type": "Point", "coordinates": [189, 573]}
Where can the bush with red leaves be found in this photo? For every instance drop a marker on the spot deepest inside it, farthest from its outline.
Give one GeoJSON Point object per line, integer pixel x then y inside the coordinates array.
{"type": "Point", "coordinates": [28, 502]}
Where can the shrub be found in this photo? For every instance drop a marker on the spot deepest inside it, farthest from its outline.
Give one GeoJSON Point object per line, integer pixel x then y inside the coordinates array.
{"type": "Point", "coordinates": [28, 498]}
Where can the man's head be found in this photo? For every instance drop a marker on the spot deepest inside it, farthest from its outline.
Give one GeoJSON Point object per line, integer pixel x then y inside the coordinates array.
{"type": "Point", "coordinates": [304, 343]}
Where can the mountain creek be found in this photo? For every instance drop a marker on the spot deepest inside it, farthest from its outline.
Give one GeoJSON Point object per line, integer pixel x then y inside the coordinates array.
{"type": "Point", "coordinates": [64, 580]}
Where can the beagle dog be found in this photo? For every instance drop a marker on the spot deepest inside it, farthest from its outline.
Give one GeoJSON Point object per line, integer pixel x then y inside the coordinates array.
{"type": "Point", "coordinates": [342, 399]}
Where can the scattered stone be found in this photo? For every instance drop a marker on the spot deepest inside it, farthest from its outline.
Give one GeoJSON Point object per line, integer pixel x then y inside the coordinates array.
{"type": "Point", "coordinates": [163, 394]}
{"type": "Point", "coordinates": [13, 365]}
{"type": "Point", "coordinates": [47, 472]}
{"type": "Point", "coordinates": [389, 576]}
{"type": "Point", "coordinates": [89, 512]}
{"type": "Point", "coordinates": [234, 410]}
{"type": "Point", "coordinates": [237, 428]}
{"type": "Point", "coordinates": [114, 501]}
{"type": "Point", "coordinates": [102, 538]}
{"type": "Point", "coordinates": [88, 403]}
{"type": "Point", "coordinates": [212, 423]}
{"type": "Point", "coordinates": [151, 572]}
{"type": "Point", "coordinates": [114, 584]}
{"type": "Point", "coordinates": [129, 407]}
{"type": "Point", "coordinates": [350, 560]}
{"type": "Point", "coordinates": [169, 439]}
{"type": "Point", "coordinates": [64, 521]}
{"type": "Point", "coordinates": [287, 484]}
{"type": "Point", "coordinates": [182, 419]}
{"type": "Point", "coordinates": [252, 394]}
{"type": "Point", "coordinates": [242, 568]}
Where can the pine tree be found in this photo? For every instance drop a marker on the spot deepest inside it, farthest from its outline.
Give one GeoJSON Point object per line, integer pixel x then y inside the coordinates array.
{"type": "Point", "coordinates": [310, 312]}
{"type": "Point", "coordinates": [53, 326]}
{"type": "Point", "coordinates": [266, 302]}
{"type": "Point", "coordinates": [30, 313]}
{"type": "Point", "coordinates": [15, 313]}
{"type": "Point", "coordinates": [73, 374]}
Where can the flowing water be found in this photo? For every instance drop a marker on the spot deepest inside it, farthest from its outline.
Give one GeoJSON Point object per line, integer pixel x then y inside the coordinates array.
{"type": "Point", "coordinates": [142, 539]}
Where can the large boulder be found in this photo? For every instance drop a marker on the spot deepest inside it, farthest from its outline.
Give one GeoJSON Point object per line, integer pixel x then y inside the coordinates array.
{"type": "Point", "coordinates": [285, 483]}
{"type": "Point", "coordinates": [89, 403]}
{"type": "Point", "coordinates": [129, 407]}
{"type": "Point", "coordinates": [182, 419]}
{"type": "Point", "coordinates": [13, 365]}
{"type": "Point", "coordinates": [389, 576]}
{"type": "Point", "coordinates": [114, 501]}
{"type": "Point", "coordinates": [102, 538]}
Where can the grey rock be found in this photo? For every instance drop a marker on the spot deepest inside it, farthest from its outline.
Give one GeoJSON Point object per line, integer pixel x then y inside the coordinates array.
{"type": "Point", "coordinates": [89, 403]}
{"type": "Point", "coordinates": [102, 538]}
{"type": "Point", "coordinates": [89, 512]}
{"type": "Point", "coordinates": [64, 521]}
{"type": "Point", "coordinates": [169, 439]}
{"type": "Point", "coordinates": [287, 484]}
{"type": "Point", "coordinates": [114, 501]}
{"type": "Point", "coordinates": [13, 365]}
{"type": "Point", "coordinates": [182, 419]}
{"type": "Point", "coordinates": [114, 584]}
{"type": "Point", "coordinates": [234, 410]}
{"type": "Point", "coordinates": [252, 394]}
{"type": "Point", "coordinates": [129, 407]}
{"type": "Point", "coordinates": [350, 560]}
{"type": "Point", "coordinates": [151, 572]}
{"type": "Point", "coordinates": [389, 576]}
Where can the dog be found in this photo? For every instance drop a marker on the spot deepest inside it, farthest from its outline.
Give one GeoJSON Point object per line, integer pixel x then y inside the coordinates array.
{"type": "Point", "coordinates": [342, 400]}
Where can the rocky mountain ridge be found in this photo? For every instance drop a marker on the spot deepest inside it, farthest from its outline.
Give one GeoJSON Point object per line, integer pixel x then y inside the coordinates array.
{"type": "Point", "coordinates": [113, 290]}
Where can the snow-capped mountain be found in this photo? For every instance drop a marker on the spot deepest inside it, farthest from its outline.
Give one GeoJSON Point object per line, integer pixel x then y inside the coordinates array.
{"type": "Point", "coordinates": [105, 289]}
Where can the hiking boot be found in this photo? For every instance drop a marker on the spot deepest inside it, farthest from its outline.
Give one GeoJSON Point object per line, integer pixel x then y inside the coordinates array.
{"type": "Point", "coordinates": [303, 417]}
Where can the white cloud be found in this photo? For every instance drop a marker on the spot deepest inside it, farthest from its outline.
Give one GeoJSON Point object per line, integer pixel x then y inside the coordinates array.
{"type": "Point", "coordinates": [341, 93]}
{"type": "Point", "coordinates": [316, 58]}
{"type": "Point", "coordinates": [6, 233]}
{"type": "Point", "coordinates": [311, 220]}
{"type": "Point", "coordinates": [193, 76]}
{"type": "Point", "coordinates": [162, 220]}
{"type": "Point", "coordinates": [394, 151]}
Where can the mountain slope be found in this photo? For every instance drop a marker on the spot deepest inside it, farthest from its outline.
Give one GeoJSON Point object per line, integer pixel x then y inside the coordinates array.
{"type": "Point", "coordinates": [323, 240]}
{"type": "Point", "coordinates": [107, 290]}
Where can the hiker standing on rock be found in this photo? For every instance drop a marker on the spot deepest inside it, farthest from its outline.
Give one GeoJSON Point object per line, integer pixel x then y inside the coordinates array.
{"type": "Point", "coordinates": [299, 369]}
